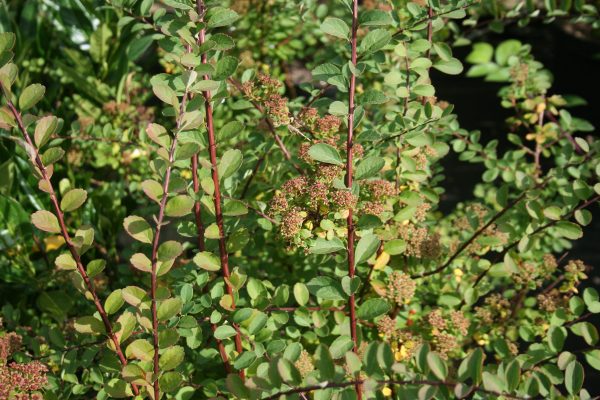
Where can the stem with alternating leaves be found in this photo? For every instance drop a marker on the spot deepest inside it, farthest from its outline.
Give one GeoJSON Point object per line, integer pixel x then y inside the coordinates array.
{"type": "Point", "coordinates": [349, 164]}
{"type": "Point", "coordinates": [212, 149]}
{"type": "Point", "coordinates": [65, 234]}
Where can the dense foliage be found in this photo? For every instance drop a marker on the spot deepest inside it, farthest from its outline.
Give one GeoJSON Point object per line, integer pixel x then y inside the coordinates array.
{"type": "Point", "coordinates": [205, 201]}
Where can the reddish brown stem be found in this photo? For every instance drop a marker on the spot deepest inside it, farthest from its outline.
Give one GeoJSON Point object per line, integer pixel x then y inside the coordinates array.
{"type": "Point", "coordinates": [349, 164]}
{"type": "Point", "coordinates": [65, 234]}
{"type": "Point", "coordinates": [212, 149]}
{"type": "Point", "coordinates": [197, 209]}
{"type": "Point", "coordinates": [155, 244]}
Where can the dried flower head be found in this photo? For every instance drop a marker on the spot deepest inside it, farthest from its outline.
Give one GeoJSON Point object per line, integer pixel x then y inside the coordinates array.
{"type": "Point", "coordinates": [400, 288]}
{"type": "Point", "coordinates": [304, 364]}
{"type": "Point", "coordinates": [460, 322]}
{"type": "Point", "coordinates": [387, 327]}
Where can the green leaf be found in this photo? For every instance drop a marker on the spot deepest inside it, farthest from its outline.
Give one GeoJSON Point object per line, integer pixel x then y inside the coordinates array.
{"type": "Point", "coordinates": [99, 43]}
{"type": "Point", "coordinates": [56, 303]}
{"type": "Point", "coordinates": [65, 262]}
{"type": "Point", "coordinates": [451, 67]}
{"type": "Point", "coordinates": [114, 302]}
{"type": "Point", "coordinates": [169, 308]}
{"type": "Point", "coordinates": [325, 153]}
{"type": "Point", "coordinates": [45, 221]}
{"type": "Point", "coordinates": [222, 17]}
{"type": "Point", "coordinates": [223, 41]}
{"type": "Point", "coordinates": [244, 360]}
{"type": "Point", "coordinates": [369, 167]}
{"type": "Point", "coordinates": [224, 332]}
{"type": "Point", "coordinates": [31, 96]}
{"type": "Point", "coordinates": [140, 349]}
{"type": "Point", "coordinates": [141, 262]}
{"type": "Point", "coordinates": [133, 373]}
{"type": "Point", "coordinates": [492, 382]}
{"type": "Point", "coordinates": [324, 363]}
{"type": "Point", "coordinates": [234, 208]}
{"type": "Point", "coordinates": [153, 190]}
{"type": "Point", "coordinates": [138, 46]}
{"type": "Point", "coordinates": [335, 27]}
{"type": "Point", "coordinates": [574, 376]}
{"type": "Point", "coordinates": [506, 49]}
{"type": "Point", "coordinates": [512, 375]}
{"type": "Point", "coordinates": [437, 365]}
{"type": "Point", "coordinates": [372, 97]}
{"type": "Point", "coordinates": [230, 162]}
{"type": "Point", "coordinates": [325, 71]}
{"type": "Point", "coordinates": [73, 199]}
{"type": "Point", "coordinates": [326, 288]}
{"type": "Point", "coordinates": [372, 308]}
{"type": "Point", "coordinates": [472, 366]}
{"type": "Point", "coordinates": [230, 130]}
{"type": "Point", "coordinates": [552, 212]}
{"type": "Point", "coordinates": [338, 108]}
{"type": "Point", "coordinates": [169, 250]}
{"type": "Point", "coordinates": [482, 53]}
{"type": "Point", "coordinates": [340, 346]}
{"type": "Point", "coordinates": [164, 93]}
{"type": "Point", "coordinates": [374, 40]}
{"type": "Point", "coordinates": [89, 325]}
{"type": "Point", "coordinates": [375, 18]}
{"type": "Point", "coordinates": [301, 293]}
{"type": "Point", "coordinates": [179, 206]}
{"type": "Point", "coordinates": [590, 296]}
{"type": "Point", "coordinates": [208, 261]}
{"type": "Point", "coordinates": [138, 228]}
{"type": "Point", "coordinates": [171, 358]}
{"type": "Point", "coordinates": [134, 295]}
{"type": "Point", "coordinates": [569, 230]}
{"type": "Point", "coordinates": [226, 67]}
{"type": "Point", "coordinates": [158, 134]}
{"type": "Point", "coordinates": [556, 338]}
{"type": "Point", "coordinates": [52, 155]}
{"type": "Point", "coordinates": [324, 246]}
{"type": "Point", "coordinates": [593, 359]}
{"type": "Point", "coordinates": [7, 41]}
{"type": "Point", "coordinates": [94, 267]}
{"type": "Point", "coordinates": [236, 386]}
{"type": "Point", "coordinates": [424, 90]}
{"type": "Point", "coordinates": [366, 247]}
{"type": "Point", "coordinates": [44, 129]}
{"type": "Point", "coordinates": [118, 389]}
{"type": "Point", "coordinates": [394, 247]}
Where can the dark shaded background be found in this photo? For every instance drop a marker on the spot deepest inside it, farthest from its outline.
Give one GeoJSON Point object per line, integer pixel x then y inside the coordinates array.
{"type": "Point", "coordinates": [575, 64]}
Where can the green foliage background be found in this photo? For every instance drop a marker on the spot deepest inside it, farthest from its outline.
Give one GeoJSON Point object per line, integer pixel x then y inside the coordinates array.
{"type": "Point", "coordinates": [484, 301]}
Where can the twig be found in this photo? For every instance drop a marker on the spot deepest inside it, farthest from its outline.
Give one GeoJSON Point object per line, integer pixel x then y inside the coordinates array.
{"type": "Point", "coordinates": [201, 9]}
{"type": "Point", "coordinates": [65, 234]}
{"type": "Point", "coordinates": [473, 237]}
{"type": "Point", "coordinates": [212, 149]}
{"type": "Point", "coordinates": [156, 242]}
{"type": "Point", "coordinates": [349, 165]}
{"type": "Point", "coordinates": [271, 127]}
{"type": "Point", "coordinates": [535, 232]}
{"type": "Point", "coordinates": [340, 385]}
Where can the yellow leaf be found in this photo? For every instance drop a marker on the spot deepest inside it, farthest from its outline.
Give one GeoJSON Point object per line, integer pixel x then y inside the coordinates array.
{"type": "Point", "coordinates": [381, 261]}
{"type": "Point", "coordinates": [53, 242]}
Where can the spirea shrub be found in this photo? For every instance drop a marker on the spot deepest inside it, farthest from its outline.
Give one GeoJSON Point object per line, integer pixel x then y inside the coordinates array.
{"type": "Point", "coordinates": [257, 215]}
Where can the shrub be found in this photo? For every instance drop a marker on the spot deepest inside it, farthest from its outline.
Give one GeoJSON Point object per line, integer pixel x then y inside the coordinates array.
{"type": "Point", "coordinates": [261, 219]}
